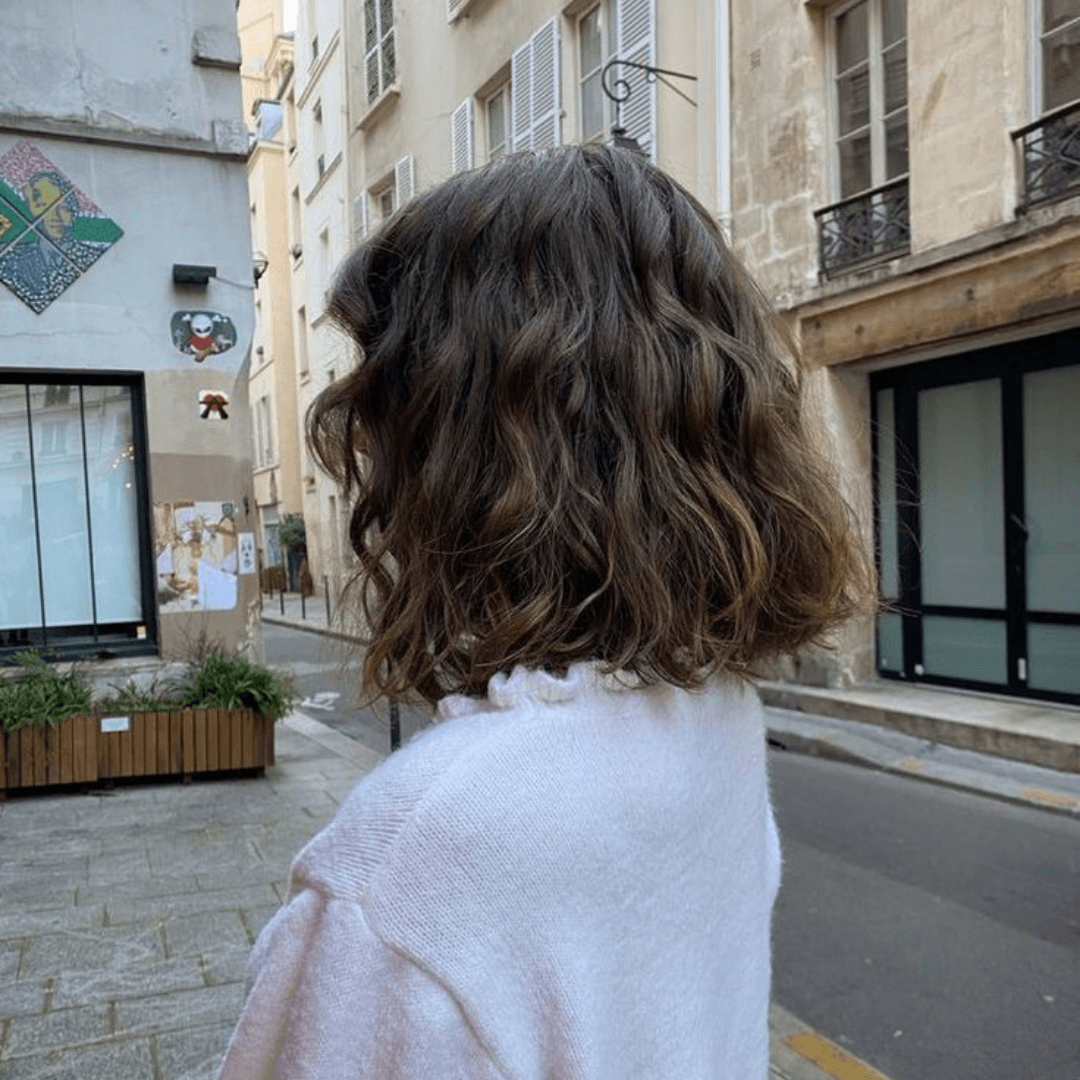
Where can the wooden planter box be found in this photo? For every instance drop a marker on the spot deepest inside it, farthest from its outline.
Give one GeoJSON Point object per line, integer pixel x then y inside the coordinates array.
{"type": "Point", "coordinates": [88, 749]}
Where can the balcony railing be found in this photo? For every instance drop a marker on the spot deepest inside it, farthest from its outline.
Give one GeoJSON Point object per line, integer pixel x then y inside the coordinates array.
{"type": "Point", "coordinates": [867, 228]}
{"type": "Point", "coordinates": [1050, 156]}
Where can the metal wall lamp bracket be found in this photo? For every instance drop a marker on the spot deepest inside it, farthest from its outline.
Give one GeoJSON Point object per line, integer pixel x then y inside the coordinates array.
{"type": "Point", "coordinates": [619, 90]}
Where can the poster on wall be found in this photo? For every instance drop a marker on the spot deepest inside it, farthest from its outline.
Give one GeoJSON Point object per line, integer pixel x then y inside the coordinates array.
{"type": "Point", "coordinates": [196, 554]}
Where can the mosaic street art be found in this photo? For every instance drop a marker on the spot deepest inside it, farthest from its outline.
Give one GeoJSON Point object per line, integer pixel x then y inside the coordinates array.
{"type": "Point", "coordinates": [202, 333]}
{"type": "Point", "coordinates": [196, 556]}
{"type": "Point", "coordinates": [50, 232]}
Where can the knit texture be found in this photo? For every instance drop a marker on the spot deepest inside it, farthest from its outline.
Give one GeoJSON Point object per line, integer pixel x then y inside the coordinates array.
{"type": "Point", "coordinates": [571, 879]}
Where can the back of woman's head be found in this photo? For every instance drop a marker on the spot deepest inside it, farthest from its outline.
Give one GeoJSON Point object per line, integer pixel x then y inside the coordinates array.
{"type": "Point", "coordinates": [575, 433]}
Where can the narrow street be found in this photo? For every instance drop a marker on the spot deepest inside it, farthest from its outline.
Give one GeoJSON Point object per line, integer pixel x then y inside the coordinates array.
{"type": "Point", "coordinates": [327, 675]}
{"type": "Point", "coordinates": [933, 933]}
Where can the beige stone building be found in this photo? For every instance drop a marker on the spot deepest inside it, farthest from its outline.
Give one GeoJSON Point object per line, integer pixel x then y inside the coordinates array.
{"type": "Point", "coordinates": [906, 184]}
{"type": "Point", "coordinates": [272, 380]}
{"type": "Point", "coordinates": [434, 88]}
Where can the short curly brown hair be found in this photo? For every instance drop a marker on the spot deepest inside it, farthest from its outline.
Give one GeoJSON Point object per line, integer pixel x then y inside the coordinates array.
{"type": "Point", "coordinates": [576, 432]}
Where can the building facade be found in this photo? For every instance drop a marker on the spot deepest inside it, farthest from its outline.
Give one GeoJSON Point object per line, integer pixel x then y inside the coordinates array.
{"type": "Point", "coordinates": [903, 181]}
{"type": "Point", "coordinates": [395, 97]}
{"type": "Point", "coordinates": [906, 184]}
{"type": "Point", "coordinates": [267, 73]}
{"type": "Point", "coordinates": [126, 495]}
{"type": "Point", "coordinates": [316, 122]}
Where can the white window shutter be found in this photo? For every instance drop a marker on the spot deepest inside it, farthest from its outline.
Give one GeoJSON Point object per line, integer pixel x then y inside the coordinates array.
{"type": "Point", "coordinates": [403, 181]}
{"type": "Point", "coordinates": [521, 97]}
{"type": "Point", "coordinates": [535, 91]}
{"type": "Point", "coordinates": [547, 119]}
{"type": "Point", "coordinates": [360, 217]}
{"type": "Point", "coordinates": [635, 27]}
{"type": "Point", "coordinates": [461, 137]}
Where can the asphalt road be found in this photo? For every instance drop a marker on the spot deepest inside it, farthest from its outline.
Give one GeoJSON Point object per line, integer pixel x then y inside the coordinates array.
{"type": "Point", "coordinates": [934, 933]}
{"type": "Point", "coordinates": [327, 673]}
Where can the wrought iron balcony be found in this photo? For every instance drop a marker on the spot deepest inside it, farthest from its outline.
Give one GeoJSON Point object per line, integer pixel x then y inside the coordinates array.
{"type": "Point", "coordinates": [1050, 156]}
{"type": "Point", "coordinates": [867, 228]}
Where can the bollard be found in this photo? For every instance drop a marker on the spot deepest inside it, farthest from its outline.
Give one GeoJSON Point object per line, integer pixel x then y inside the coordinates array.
{"type": "Point", "coordinates": [282, 594]}
{"type": "Point", "coordinates": [326, 593]}
{"type": "Point", "coordinates": [303, 603]}
{"type": "Point", "coordinates": [395, 726]}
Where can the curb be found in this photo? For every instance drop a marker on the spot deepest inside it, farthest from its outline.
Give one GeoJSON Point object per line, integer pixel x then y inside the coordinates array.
{"type": "Point", "coordinates": [797, 1052]}
{"type": "Point", "coordinates": [889, 751]}
{"type": "Point", "coordinates": [1033, 732]}
{"type": "Point", "coordinates": [310, 628]}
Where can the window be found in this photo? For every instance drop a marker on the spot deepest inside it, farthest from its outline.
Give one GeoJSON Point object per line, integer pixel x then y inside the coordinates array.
{"type": "Point", "coordinates": [297, 224]}
{"type": "Point", "coordinates": [380, 59]}
{"type": "Point", "coordinates": [325, 265]}
{"type": "Point", "coordinates": [871, 221]}
{"type": "Point", "coordinates": [264, 431]}
{"type": "Point", "coordinates": [385, 201]}
{"type": "Point", "coordinates": [497, 121]}
{"type": "Point", "coordinates": [871, 95]}
{"type": "Point", "coordinates": [593, 35]}
{"type": "Point", "coordinates": [301, 341]}
{"type": "Point", "coordinates": [319, 140]}
{"type": "Point", "coordinates": [1059, 52]}
{"type": "Point", "coordinates": [77, 570]}
{"type": "Point", "coordinates": [1051, 145]}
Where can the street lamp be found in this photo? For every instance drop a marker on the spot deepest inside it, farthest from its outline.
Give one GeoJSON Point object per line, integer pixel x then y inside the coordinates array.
{"type": "Point", "coordinates": [620, 90]}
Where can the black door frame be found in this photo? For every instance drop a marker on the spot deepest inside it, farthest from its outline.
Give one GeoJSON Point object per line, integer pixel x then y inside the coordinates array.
{"type": "Point", "coordinates": [1009, 363]}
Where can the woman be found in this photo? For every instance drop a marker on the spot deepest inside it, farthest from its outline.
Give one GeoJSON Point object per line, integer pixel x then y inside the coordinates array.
{"type": "Point", "coordinates": [588, 505]}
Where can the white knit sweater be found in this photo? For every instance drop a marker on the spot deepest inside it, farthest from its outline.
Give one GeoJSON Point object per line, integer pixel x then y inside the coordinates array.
{"type": "Point", "coordinates": [569, 879]}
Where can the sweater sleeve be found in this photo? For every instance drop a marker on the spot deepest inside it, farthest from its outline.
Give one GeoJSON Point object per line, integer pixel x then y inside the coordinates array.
{"type": "Point", "coordinates": [328, 999]}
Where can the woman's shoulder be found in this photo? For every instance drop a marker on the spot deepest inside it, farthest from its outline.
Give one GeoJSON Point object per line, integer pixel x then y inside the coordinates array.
{"type": "Point", "coordinates": [543, 763]}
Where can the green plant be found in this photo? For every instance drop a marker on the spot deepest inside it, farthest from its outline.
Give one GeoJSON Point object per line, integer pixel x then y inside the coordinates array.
{"type": "Point", "coordinates": [130, 697]}
{"type": "Point", "coordinates": [223, 681]}
{"type": "Point", "coordinates": [293, 535]}
{"type": "Point", "coordinates": [40, 696]}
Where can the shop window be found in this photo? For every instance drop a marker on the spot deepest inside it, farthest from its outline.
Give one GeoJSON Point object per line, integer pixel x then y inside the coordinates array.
{"type": "Point", "coordinates": [77, 572]}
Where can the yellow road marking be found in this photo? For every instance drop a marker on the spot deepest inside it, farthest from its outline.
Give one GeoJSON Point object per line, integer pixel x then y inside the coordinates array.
{"type": "Point", "coordinates": [1050, 798]}
{"type": "Point", "coordinates": [830, 1058]}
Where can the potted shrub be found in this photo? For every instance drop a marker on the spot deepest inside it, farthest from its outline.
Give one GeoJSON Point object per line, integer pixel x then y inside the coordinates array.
{"type": "Point", "coordinates": [219, 717]}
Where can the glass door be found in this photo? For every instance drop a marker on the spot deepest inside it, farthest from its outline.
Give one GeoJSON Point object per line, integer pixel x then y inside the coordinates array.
{"type": "Point", "coordinates": [977, 478]}
{"type": "Point", "coordinates": [1052, 498]}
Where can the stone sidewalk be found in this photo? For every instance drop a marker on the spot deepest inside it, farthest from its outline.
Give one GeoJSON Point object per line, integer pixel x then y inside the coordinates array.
{"type": "Point", "coordinates": [127, 917]}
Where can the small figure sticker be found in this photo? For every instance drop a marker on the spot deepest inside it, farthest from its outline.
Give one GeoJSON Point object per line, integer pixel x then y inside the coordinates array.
{"type": "Point", "coordinates": [213, 405]}
{"type": "Point", "coordinates": [202, 333]}
{"type": "Point", "coordinates": [246, 551]}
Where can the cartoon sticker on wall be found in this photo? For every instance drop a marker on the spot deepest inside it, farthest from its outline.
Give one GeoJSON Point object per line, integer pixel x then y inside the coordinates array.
{"type": "Point", "coordinates": [196, 555]}
{"type": "Point", "coordinates": [248, 563]}
{"type": "Point", "coordinates": [202, 333]}
{"type": "Point", "coordinates": [50, 232]}
{"type": "Point", "coordinates": [213, 405]}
